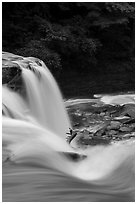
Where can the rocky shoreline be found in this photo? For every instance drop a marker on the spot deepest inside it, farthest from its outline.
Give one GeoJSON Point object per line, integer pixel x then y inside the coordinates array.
{"type": "Point", "coordinates": [100, 125]}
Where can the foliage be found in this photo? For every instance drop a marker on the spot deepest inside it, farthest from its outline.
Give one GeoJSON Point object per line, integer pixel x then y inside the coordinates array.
{"type": "Point", "coordinates": [37, 49]}
{"type": "Point", "coordinates": [78, 36]}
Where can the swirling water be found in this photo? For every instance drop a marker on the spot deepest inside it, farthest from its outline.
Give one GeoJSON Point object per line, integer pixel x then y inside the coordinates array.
{"type": "Point", "coordinates": [34, 128]}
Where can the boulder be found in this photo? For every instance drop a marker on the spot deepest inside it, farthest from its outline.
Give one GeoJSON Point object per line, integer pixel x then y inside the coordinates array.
{"type": "Point", "coordinates": [129, 110]}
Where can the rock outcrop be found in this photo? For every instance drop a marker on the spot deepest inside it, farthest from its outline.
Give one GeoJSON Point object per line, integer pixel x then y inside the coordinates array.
{"type": "Point", "coordinates": [11, 71]}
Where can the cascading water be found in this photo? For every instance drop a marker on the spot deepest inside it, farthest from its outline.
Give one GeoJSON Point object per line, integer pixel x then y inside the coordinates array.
{"type": "Point", "coordinates": [34, 131]}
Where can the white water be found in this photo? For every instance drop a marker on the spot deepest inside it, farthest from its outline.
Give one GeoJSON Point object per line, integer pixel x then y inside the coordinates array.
{"type": "Point", "coordinates": [34, 131]}
{"type": "Point", "coordinates": [119, 99]}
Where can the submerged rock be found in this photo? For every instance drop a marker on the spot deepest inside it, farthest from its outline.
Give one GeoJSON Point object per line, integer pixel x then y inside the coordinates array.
{"type": "Point", "coordinates": [74, 156]}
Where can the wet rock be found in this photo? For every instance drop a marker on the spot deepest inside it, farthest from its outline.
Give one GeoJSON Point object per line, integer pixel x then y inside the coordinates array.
{"type": "Point", "coordinates": [74, 156]}
{"type": "Point", "coordinates": [78, 113]}
{"type": "Point", "coordinates": [122, 119]}
{"type": "Point", "coordinates": [102, 114]}
{"type": "Point", "coordinates": [108, 114]}
{"type": "Point", "coordinates": [129, 110]}
{"type": "Point", "coordinates": [125, 129]}
{"type": "Point", "coordinates": [132, 134]}
{"type": "Point", "coordinates": [76, 141]}
{"type": "Point", "coordinates": [88, 114]}
{"type": "Point", "coordinates": [86, 134]}
{"type": "Point", "coordinates": [76, 124]}
{"type": "Point", "coordinates": [95, 128]}
{"type": "Point", "coordinates": [83, 118]}
{"type": "Point", "coordinates": [95, 141]}
{"type": "Point", "coordinates": [106, 117]}
{"type": "Point", "coordinates": [100, 129]}
{"type": "Point", "coordinates": [104, 123]}
{"type": "Point", "coordinates": [108, 127]}
{"type": "Point", "coordinates": [100, 132]}
{"type": "Point", "coordinates": [132, 125]}
{"type": "Point", "coordinates": [127, 136]}
{"type": "Point", "coordinates": [114, 125]}
{"type": "Point", "coordinates": [112, 132]}
{"type": "Point", "coordinates": [11, 71]}
{"type": "Point", "coordinates": [132, 120]}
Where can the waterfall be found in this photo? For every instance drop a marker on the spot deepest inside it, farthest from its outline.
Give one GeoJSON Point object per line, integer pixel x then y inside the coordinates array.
{"type": "Point", "coordinates": [34, 131]}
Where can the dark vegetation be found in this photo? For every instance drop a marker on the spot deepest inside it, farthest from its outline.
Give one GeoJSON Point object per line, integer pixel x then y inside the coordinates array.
{"type": "Point", "coordinates": [89, 47]}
